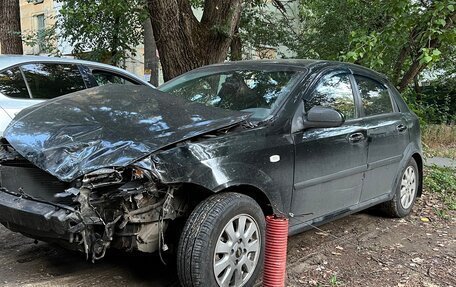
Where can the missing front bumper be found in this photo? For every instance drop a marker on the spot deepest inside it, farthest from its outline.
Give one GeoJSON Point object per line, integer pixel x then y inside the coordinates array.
{"type": "Point", "coordinates": [40, 220]}
{"type": "Point", "coordinates": [91, 229]}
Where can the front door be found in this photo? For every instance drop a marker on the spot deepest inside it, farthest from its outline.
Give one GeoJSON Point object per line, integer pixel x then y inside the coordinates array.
{"type": "Point", "coordinates": [329, 162]}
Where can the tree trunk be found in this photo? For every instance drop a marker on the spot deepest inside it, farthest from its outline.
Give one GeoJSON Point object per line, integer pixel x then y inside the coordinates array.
{"type": "Point", "coordinates": [183, 42]}
{"type": "Point", "coordinates": [403, 55]}
{"type": "Point", "coordinates": [114, 59]}
{"type": "Point", "coordinates": [236, 46]}
{"type": "Point", "coordinates": [150, 53]}
{"type": "Point", "coordinates": [10, 27]}
{"type": "Point", "coordinates": [411, 73]}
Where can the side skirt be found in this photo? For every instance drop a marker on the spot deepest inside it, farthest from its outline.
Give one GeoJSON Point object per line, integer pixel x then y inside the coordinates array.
{"type": "Point", "coordinates": [300, 226]}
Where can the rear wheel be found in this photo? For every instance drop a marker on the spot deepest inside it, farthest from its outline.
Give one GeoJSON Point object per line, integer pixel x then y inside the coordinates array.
{"type": "Point", "coordinates": [406, 190]}
{"type": "Point", "coordinates": [222, 242]}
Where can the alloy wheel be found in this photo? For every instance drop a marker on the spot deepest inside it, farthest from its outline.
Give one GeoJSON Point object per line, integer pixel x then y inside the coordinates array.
{"type": "Point", "coordinates": [408, 187]}
{"type": "Point", "coordinates": [237, 251]}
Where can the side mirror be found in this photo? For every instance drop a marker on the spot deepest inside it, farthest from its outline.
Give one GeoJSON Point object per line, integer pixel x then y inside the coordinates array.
{"type": "Point", "coordinates": [322, 117]}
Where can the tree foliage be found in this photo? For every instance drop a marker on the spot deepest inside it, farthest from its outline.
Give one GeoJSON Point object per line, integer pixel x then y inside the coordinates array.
{"type": "Point", "coordinates": [400, 38]}
{"type": "Point", "coordinates": [270, 25]}
{"type": "Point", "coordinates": [327, 25]}
{"type": "Point", "coordinates": [103, 30]}
{"type": "Point", "coordinates": [416, 35]}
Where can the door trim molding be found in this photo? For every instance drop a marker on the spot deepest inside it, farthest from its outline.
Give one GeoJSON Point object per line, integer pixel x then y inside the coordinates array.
{"type": "Point", "coordinates": [385, 161]}
{"type": "Point", "coordinates": [329, 177]}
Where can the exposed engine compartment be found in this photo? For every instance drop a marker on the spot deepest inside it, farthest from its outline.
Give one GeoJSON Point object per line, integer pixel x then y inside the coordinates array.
{"type": "Point", "coordinates": [123, 208]}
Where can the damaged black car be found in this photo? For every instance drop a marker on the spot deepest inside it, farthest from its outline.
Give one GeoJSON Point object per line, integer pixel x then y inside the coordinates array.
{"type": "Point", "coordinates": [192, 169]}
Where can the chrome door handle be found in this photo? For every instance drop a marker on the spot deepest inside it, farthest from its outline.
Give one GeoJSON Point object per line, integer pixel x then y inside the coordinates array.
{"type": "Point", "coordinates": [400, 128]}
{"type": "Point", "coordinates": [356, 137]}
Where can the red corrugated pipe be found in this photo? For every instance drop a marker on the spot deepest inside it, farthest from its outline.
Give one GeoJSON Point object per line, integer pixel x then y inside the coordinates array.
{"type": "Point", "coordinates": [275, 255]}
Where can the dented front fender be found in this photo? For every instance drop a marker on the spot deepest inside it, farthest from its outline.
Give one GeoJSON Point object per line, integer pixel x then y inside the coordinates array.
{"type": "Point", "coordinates": [226, 161]}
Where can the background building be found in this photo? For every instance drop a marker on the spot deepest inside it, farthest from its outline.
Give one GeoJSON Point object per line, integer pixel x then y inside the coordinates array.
{"type": "Point", "coordinates": [38, 15]}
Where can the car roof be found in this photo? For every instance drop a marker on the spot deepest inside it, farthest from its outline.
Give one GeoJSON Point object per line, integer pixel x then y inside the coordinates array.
{"type": "Point", "coordinates": [7, 61]}
{"type": "Point", "coordinates": [294, 64]}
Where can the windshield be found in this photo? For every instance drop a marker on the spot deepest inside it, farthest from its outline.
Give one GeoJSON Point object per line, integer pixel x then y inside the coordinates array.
{"type": "Point", "coordinates": [257, 92]}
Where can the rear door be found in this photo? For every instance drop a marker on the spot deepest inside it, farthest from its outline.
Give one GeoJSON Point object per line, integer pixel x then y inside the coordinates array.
{"type": "Point", "coordinates": [330, 162]}
{"type": "Point", "coordinates": [388, 136]}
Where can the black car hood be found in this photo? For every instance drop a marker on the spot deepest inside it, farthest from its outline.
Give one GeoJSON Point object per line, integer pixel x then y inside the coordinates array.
{"type": "Point", "coordinates": [110, 126]}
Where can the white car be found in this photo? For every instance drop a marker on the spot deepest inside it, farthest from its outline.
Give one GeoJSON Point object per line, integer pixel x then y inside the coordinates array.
{"type": "Point", "coordinates": [28, 80]}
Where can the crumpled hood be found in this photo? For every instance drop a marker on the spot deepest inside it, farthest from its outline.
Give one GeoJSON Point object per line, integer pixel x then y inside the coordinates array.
{"type": "Point", "coordinates": [110, 126]}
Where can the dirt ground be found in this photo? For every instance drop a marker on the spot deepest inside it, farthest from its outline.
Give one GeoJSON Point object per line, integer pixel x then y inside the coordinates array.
{"type": "Point", "coordinates": [364, 249]}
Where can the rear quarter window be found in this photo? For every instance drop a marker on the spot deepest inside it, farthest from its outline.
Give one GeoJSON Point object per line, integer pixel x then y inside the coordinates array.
{"type": "Point", "coordinates": [106, 78]}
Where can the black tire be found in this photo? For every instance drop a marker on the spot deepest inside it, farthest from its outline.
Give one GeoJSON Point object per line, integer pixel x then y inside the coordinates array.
{"type": "Point", "coordinates": [394, 207]}
{"type": "Point", "coordinates": [196, 250]}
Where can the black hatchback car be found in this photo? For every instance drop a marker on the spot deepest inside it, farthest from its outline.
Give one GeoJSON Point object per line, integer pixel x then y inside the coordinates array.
{"type": "Point", "coordinates": [193, 169]}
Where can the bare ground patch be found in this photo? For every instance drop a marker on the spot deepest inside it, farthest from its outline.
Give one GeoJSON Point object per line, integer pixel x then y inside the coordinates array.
{"type": "Point", "coordinates": [364, 249]}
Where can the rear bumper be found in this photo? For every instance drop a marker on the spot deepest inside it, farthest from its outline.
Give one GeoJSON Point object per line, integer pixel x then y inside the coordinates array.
{"type": "Point", "coordinates": [39, 220]}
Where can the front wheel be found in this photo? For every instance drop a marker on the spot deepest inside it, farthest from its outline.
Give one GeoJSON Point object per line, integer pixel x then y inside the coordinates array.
{"type": "Point", "coordinates": [222, 243]}
{"type": "Point", "coordinates": [406, 191]}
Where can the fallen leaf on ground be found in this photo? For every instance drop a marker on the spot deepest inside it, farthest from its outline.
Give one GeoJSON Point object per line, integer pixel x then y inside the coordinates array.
{"type": "Point", "coordinates": [417, 260]}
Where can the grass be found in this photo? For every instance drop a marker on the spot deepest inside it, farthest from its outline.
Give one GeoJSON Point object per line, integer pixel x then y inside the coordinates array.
{"type": "Point", "coordinates": [448, 152]}
{"type": "Point", "coordinates": [439, 140]}
{"type": "Point", "coordinates": [442, 181]}
{"type": "Point", "coordinates": [333, 281]}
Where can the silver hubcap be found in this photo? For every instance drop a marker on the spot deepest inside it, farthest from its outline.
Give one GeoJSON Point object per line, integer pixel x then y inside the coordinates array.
{"type": "Point", "coordinates": [237, 251]}
{"type": "Point", "coordinates": [408, 187]}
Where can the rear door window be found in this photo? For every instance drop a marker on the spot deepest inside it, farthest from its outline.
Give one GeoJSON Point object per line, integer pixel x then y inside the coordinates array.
{"type": "Point", "coordinates": [49, 80]}
{"type": "Point", "coordinates": [105, 78]}
{"type": "Point", "coordinates": [12, 84]}
{"type": "Point", "coordinates": [374, 96]}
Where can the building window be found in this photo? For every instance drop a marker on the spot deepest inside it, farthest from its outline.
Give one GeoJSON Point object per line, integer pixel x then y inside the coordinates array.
{"type": "Point", "coordinates": [35, 1]}
{"type": "Point", "coordinates": [41, 26]}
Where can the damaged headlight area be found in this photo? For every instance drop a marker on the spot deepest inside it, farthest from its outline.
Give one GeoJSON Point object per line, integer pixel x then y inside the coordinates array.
{"type": "Point", "coordinates": [124, 208]}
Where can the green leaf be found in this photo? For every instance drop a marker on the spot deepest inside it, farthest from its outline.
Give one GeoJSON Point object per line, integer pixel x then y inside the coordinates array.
{"type": "Point", "coordinates": [441, 22]}
{"type": "Point", "coordinates": [352, 55]}
{"type": "Point", "coordinates": [436, 52]}
{"type": "Point", "coordinates": [426, 59]}
{"type": "Point", "coordinates": [451, 8]}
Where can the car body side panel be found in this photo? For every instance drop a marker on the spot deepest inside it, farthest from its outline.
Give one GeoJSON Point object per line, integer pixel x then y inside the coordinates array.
{"type": "Point", "coordinates": [414, 147]}
{"type": "Point", "coordinates": [329, 170]}
{"type": "Point", "coordinates": [10, 107]}
{"type": "Point", "coordinates": [246, 158]}
{"type": "Point", "coordinates": [383, 156]}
